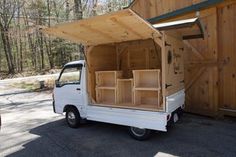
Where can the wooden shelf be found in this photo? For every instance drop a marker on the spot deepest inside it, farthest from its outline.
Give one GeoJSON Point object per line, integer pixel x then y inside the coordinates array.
{"type": "Point", "coordinates": [106, 95]}
{"type": "Point", "coordinates": [107, 78]}
{"type": "Point", "coordinates": [149, 78]}
{"type": "Point", "coordinates": [147, 98]}
{"type": "Point", "coordinates": [124, 91]}
{"type": "Point", "coordinates": [147, 89]}
{"type": "Point", "coordinates": [106, 88]}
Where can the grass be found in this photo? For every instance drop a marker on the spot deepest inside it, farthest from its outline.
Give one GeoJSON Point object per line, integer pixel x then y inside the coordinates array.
{"type": "Point", "coordinates": [27, 85]}
{"type": "Point", "coordinates": [34, 85]}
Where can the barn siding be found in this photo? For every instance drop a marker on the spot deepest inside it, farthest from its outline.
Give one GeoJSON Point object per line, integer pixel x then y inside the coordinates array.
{"type": "Point", "coordinates": [152, 8]}
{"type": "Point", "coordinates": [210, 64]}
{"type": "Point", "coordinates": [227, 56]}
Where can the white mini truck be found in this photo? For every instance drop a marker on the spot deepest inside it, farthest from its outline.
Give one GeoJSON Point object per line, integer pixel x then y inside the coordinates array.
{"type": "Point", "coordinates": [132, 75]}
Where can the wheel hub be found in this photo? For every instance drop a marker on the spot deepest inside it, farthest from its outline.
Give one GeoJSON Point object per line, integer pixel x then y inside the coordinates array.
{"type": "Point", "coordinates": [176, 117]}
{"type": "Point", "coordinates": [138, 131]}
{"type": "Point", "coordinates": [71, 118]}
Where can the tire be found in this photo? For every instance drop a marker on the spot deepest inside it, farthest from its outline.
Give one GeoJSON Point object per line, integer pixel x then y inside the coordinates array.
{"type": "Point", "coordinates": [139, 134]}
{"type": "Point", "coordinates": [180, 112]}
{"type": "Point", "coordinates": [72, 117]}
{"type": "Point", "coordinates": [175, 117]}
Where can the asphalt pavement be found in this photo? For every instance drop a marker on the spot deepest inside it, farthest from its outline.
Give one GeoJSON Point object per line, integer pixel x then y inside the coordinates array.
{"type": "Point", "coordinates": [31, 129]}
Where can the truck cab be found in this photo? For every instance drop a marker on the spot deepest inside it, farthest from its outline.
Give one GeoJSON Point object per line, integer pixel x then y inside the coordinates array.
{"type": "Point", "coordinates": [70, 87]}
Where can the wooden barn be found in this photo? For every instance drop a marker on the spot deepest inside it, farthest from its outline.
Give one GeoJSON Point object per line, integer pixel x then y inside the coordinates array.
{"type": "Point", "coordinates": [210, 62]}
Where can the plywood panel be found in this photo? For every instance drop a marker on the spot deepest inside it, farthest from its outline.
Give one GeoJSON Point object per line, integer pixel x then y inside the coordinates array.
{"type": "Point", "coordinates": [124, 25]}
{"type": "Point", "coordinates": [137, 55]}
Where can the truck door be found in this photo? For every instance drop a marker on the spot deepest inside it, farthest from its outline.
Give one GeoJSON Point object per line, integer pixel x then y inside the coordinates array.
{"type": "Point", "coordinates": [68, 90]}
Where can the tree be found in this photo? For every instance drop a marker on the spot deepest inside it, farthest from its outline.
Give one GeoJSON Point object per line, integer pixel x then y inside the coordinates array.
{"type": "Point", "coordinates": [78, 12]}
{"type": "Point", "coordinates": [7, 12]}
{"type": "Point", "coordinates": [23, 48]}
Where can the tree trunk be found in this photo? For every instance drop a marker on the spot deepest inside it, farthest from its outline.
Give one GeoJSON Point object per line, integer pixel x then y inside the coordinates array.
{"type": "Point", "coordinates": [78, 16]}
{"type": "Point", "coordinates": [20, 65]}
{"type": "Point", "coordinates": [40, 42]}
{"type": "Point", "coordinates": [94, 9]}
{"type": "Point", "coordinates": [7, 50]}
{"type": "Point", "coordinates": [49, 44]}
{"type": "Point", "coordinates": [20, 53]}
{"type": "Point", "coordinates": [78, 12]}
{"type": "Point", "coordinates": [67, 10]}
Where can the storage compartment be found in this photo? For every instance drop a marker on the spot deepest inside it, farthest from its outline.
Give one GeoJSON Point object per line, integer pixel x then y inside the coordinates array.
{"type": "Point", "coordinates": [147, 79]}
{"type": "Point", "coordinates": [121, 75]}
{"type": "Point", "coordinates": [124, 91]}
{"type": "Point", "coordinates": [107, 78]}
{"type": "Point", "coordinates": [147, 99]}
{"type": "Point", "coordinates": [106, 95]}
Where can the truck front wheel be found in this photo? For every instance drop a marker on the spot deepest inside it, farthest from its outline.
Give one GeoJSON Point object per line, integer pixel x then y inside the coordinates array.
{"type": "Point", "coordinates": [139, 133]}
{"type": "Point", "coordinates": [72, 117]}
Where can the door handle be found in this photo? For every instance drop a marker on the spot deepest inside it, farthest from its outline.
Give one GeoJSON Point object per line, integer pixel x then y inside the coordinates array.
{"type": "Point", "coordinates": [78, 89]}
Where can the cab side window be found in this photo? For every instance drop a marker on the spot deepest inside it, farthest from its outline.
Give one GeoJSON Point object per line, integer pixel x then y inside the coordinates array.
{"type": "Point", "coordinates": [70, 75]}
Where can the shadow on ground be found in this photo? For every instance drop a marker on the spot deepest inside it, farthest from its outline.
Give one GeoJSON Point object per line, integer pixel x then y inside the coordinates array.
{"type": "Point", "coordinates": [192, 136]}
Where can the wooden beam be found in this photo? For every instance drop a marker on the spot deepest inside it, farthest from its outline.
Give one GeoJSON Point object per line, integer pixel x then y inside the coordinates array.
{"type": "Point", "coordinates": [163, 71]}
{"type": "Point", "coordinates": [158, 40]}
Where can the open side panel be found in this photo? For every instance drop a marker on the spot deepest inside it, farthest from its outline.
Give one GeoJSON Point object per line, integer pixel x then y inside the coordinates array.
{"type": "Point", "coordinates": [174, 65]}
{"type": "Point", "coordinates": [126, 75]}
{"type": "Point", "coordinates": [124, 25]}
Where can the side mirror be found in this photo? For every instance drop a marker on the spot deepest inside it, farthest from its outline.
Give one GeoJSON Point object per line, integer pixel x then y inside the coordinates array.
{"type": "Point", "coordinates": [57, 83]}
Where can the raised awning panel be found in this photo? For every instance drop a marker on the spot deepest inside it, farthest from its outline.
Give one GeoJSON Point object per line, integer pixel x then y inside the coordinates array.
{"type": "Point", "coordinates": [124, 25]}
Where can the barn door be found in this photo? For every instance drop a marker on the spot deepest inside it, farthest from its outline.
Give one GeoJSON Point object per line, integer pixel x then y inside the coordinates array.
{"type": "Point", "coordinates": [201, 72]}
{"type": "Point", "coordinates": [227, 59]}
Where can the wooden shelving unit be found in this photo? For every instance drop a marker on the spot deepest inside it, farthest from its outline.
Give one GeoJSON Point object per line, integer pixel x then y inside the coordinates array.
{"type": "Point", "coordinates": [106, 86]}
{"type": "Point", "coordinates": [147, 88]}
{"type": "Point", "coordinates": [141, 92]}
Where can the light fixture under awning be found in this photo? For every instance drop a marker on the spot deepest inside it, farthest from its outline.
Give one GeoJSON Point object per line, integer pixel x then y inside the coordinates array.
{"type": "Point", "coordinates": [124, 25]}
